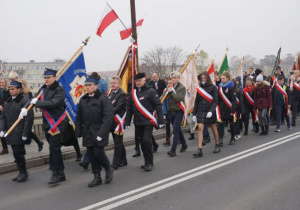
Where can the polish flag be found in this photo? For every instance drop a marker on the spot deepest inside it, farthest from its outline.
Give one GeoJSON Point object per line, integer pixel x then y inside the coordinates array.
{"type": "Point", "coordinates": [108, 17]}
{"type": "Point", "coordinates": [126, 33]}
{"type": "Point", "coordinates": [211, 72]}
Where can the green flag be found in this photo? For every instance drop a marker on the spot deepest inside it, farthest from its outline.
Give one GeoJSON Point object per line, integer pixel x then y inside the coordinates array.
{"type": "Point", "coordinates": [224, 65]}
{"type": "Point", "coordinates": [277, 62]}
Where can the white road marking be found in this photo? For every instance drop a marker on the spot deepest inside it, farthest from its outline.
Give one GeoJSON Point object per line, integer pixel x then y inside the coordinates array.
{"type": "Point", "coordinates": [179, 180]}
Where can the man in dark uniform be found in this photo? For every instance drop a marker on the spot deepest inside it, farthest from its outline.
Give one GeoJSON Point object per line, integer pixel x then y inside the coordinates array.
{"type": "Point", "coordinates": [93, 122]}
{"type": "Point", "coordinates": [158, 84]}
{"type": "Point", "coordinates": [18, 137]}
{"type": "Point", "coordinates": [52, 103]}
{"type": "Point", "coordinates": [144, 104]}
{"type": "Point", "coordinates": [118, 99]}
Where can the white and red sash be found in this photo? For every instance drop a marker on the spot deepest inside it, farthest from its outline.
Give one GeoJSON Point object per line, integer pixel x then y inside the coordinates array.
{"type": "Point", "coordinates": [225, 99]}
{"type": "Point", "coordinates": [296, 85]}
{"type": "Point", "coordinates": [251, 101]}
{"type": "Point", "coordinates": [143, 110]}
{"type": "Point", "coordinates": [181, 103]}
{"type": "Point", "coordinates": [209, 98]}
{"type": "Point", "coordinates": [284, 94]}
{"type": "Point", "coordinates": [120, 120]}
{"type": "Point", "coordinates": [237, 101]}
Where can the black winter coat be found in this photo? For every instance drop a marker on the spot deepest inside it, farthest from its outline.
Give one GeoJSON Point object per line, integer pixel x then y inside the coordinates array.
{"type": "Point", "coordinates": [118, 101]}
{"type": "Point", "coordinates": [202, 106]}
{"type": "Point", "coordinates": [224, 109]}
{"type": "Point", "coordinates": [240, 107]}
{"type": "Point", "coordinates": [94, 118]}
{"type": "Point", "coordinates": [9, 116]}
{"type": "Point", "coordinates": [148, 97]}
{"type": "Point", "coordinates": [54, 103]}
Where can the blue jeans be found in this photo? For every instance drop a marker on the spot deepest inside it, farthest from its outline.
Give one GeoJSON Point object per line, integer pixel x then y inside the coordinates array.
{"type": "Point", "coordinates": [176, 120]}
{"type": "Point", "coordinates": [205, 131]}
{"type": "Point", "coordinates": [279, 110]}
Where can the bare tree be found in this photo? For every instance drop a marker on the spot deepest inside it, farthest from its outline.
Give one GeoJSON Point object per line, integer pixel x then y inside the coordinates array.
{"type": "Point", "coordinates": [202, 60]}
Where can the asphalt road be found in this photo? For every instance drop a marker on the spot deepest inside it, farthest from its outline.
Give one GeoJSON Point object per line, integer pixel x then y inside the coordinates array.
{"type": "Point", "coordinates": [256, 173]}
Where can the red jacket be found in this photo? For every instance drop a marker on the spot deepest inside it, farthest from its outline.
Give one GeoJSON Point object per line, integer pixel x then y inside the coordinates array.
{"type": "Point", "coordinates": [262, 98]}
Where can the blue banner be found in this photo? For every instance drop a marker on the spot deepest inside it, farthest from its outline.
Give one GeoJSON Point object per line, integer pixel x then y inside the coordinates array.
{"type": "Point", "coordinates": [73, 82]}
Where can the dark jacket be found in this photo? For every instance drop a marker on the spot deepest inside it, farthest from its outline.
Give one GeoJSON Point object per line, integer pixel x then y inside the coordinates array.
{"type": "Point", "coordinates": [224, 109]}
{"type": "Point", "coordinates": [161, 85]}
{"type": "Point", "coordinates": [9, 116]}
{"type": "Point", "coordinates": [118, 101]}
{"type": "Point", "coordinates": [202, 106]}
{"type": "Point", "coordinates": [94, 118]}
{"type": "Point", "coordinates": [295, 94]}
{"type": "Point", "coordinates": [240, 107]}
{"type": "Point", "coordinates": [4, 96]}
{"type": "Point", "coordinates": [262, 98]}
{"type": "Point", "coordinates": [54, 103]}
{"type": "Point", "coordinates": [278, 98]}
{"type": "Point", "coordinates": [149, 99]}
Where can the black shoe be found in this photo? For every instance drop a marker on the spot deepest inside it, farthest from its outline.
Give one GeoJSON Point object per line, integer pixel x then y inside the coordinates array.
{"type": "Point", "coordinates": [246, 133]}
{"type": "Point", "coordinates": [155, 147]}
{"type": "Point", "coordinates": [16, 178]}
{"type": "Point", "coordinates": [221, 142]}
{"type": "Point", "coordinates": [262, 130]}
{"type": "Point", "coordinates": [40, 146]}
{"type": "Point", "coordinates": [256, 129]}
{"type": "Point", "coordinates": [61, 175]}
{"type": "Point", "coordinates": [293, 123]}
{"type": "Point", "coordinates": [148, 168]}
{"type": "Point", "coordinates": [192, 136]}
{"type": "Point", "coordinates": [143, 167]}
{"type": "Point", "coordinates": [23, 177]}
{"type": "Point", "coordinates": [109, 175]}
{"type": "Point", "coordinates": [122, 164]}
{"type": "Point", "coordinates": [54, 178]}
{"type": "Point", "coordinates": [115, 167]}
{"type": "Point", "coordinates": [206, 140]}
{"type": "Point", "coordinates": [232, 141]}
{"type": "Point", "coordinates": [137, 154]}
{"type": "Point", "coordinates": [203, 143]}
{"type": "Point", "coordinates": [84, 165]}
{"type": "Point", "coordinates": [172, 153]}
{"type": "Point", "coordinates": [183, 148]}
{"type": "Point", "coordinates": [96, 181]}
{"type": "Point", "coordinates": [78, 158]}
{"type": "Point", "coordinates": [198, 153]}
{"type": "Point", "coordinates": [266, 130]}
{"type": "Point", "coordinates": [217, 149]}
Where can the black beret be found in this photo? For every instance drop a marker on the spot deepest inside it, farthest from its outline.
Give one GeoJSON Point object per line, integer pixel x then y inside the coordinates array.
{"type": "Point", "coordinates": [139, 76]}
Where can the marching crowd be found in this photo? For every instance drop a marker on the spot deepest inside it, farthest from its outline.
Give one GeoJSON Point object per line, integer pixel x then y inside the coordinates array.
{"type": "Point", "coordinates": [151, 104]}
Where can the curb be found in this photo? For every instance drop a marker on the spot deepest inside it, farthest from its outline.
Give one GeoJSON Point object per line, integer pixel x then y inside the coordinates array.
{"type": "Point", "coordinates": [43, 160]}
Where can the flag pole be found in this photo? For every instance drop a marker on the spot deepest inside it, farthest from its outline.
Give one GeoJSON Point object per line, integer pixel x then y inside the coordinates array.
{"type": "Point", "coordinates": [134, 32]}
{"type": "Point", "coordinates": [223, 59]}
{"type": "Point", "coordinates": [240, 67]}
{"type": "Point", "coordinates": [39, 95]}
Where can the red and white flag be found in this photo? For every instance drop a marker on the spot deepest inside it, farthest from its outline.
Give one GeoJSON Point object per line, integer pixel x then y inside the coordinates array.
{"type": "Point", "coordinates": [126, 33]}
{"type": "Point", "coordinates": [108, 17]}
{"type": "Point", "coordinates": [211, 71]}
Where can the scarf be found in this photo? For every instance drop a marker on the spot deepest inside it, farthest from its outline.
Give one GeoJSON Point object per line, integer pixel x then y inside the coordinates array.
{"type": "Point", "coordinates": [228, 84]}
{"type": "Point", "coordinates": [248, 90]}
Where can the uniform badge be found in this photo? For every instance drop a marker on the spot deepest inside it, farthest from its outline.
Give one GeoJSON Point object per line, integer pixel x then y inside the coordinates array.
{"type": "Point", "coordinates": [226, 91]}
{"type": "Point", "coordinates": [113, 101]}
{"type": "Point", "coordinates": [141, 98]}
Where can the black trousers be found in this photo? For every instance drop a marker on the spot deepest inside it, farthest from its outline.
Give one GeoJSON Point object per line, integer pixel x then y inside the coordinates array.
{"type": "Point", "coordinates": [168, 125]}
{"type": "Point", "coordinates": [294, 108]}
{"type": "Point", "coordinates": [144, 134]}
{"type": "Point", "coordinates": [119, 150]}
{"type": "Point", "coordinates": [98, 158]}
{"type": "Point", "coordinates": [19, 153]}
{"type": "Point", "coordinates": [237, 123]}
{"type": "Point", "coordinates": [56, 160]}
{"type": "Point", "coordinates": [221, 127]}
{"type": "Point", "coordinates": [3, 142]}
{"type": "Point", "coordinates": [248, 111]}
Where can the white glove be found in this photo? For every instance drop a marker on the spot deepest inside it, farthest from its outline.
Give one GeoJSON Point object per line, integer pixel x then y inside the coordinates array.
{"type": "Point", "coordinates": [194, 119]}
{"type": "Point", "coordinates": [1, 133]}
{"type": "Point", "coordinates": [161, 126]}
{"type": "Point", "coordinates": [209, 114]}
{"type": "Point", "coordinates": [24, 138]}
{"type": "Point", "coordinates": [34, 100]}
{"type": "Point", "coordinates": [99, 138]}
{"type": "Point", "coordinates": [23, 113]}
{"type": "Point", "coordinates": [127, 127]}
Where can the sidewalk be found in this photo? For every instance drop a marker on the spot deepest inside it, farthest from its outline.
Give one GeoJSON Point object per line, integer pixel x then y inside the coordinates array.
{"type": "Point", "coordinates": [35, 158]}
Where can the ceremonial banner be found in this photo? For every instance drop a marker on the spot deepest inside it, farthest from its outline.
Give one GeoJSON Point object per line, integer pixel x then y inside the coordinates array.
{"type": "Point", "coordinates": [189, 79]}
{"type": "Point", "coordinates": [211, 71]}
{"type": "Point", "coordinates": [277, 62]}
{"type": "Point", "coordinates": [73, 82]}
{"type": "Point", "coordinates": [125, 71]}
{"type": "Point", "coordinates": [224, 65]}
{"type": "Point", "coordinates": [108, 17]}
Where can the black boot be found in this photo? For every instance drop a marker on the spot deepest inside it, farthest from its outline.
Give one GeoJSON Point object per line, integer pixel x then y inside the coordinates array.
{"type": "Point", "coordinates": [262, 130]}
{"type": "Point", "coordinates": [61, 175]}
{"type": "Point", "coordinates": [294, 122]}
{"type": "Point", "coordinates": [54, 178]}
{"type": "Point", "coordinates": [23, 174]}
{"type": "Point", "coordinates": [84, 165]}
{"type": "Point", "coordinates": [40, 145]}
{"type": "Point", "coordinates": [192, 136]}
{"type": "Point", "coordinates": [266, 129]}
{"type": "Point", "coordinates": [155, 147]}
{"type": "Point", "coordinates": [16, 178]}
{"type": "Point", "coordinates": [217, 149]}
{"type": "Point", "coordinates": [109, 175]}
{"type": "Point", "coordinates": [96, 181]}
{"type": "Point", "coordinates": [137, 152]}
{"type": "Point", "coordinates": [232, 141]}
{"type": "Point", "coordinates": [198, 153]}
{"type": "Point", "coordinates": [78, 157]}
{"type": "Point", "coordinates": [221, 141]}
{"type": "Point", "coordinates": [256, 128]}
{"type": "Point", "coordinates": [207, 140]}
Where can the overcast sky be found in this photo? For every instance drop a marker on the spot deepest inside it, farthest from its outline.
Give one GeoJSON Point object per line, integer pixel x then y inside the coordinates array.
{"type": "Point", "coordinates": [44, 30]}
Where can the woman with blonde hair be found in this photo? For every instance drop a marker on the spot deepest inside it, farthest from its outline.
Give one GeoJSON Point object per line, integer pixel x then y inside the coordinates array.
{"type": "Point", "coordinates": [13, 76]}
{"type": "Point", "coordinates": [4, 95]}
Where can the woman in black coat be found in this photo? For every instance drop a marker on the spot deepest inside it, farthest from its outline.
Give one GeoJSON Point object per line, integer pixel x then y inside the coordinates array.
{"type": "Point", "coordinates": [205, 110]}
{"type": "Point", "coordinates": [4, 95]}
{"type": "Point", "coordinates": [227, 105]}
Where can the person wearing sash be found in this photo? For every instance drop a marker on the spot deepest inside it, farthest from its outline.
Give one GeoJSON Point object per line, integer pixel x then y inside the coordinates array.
{"type": "Point", "coordinates": [118, 99]}
{"type": "Point", "coordinates": [205, 110]}
{"type": "Point", "coordinates": [262, 102]}
{"type": "Point", "coordinates": [281, 102]}
{"type": "Point", "coordinates": [21, 133]}
{"type": "Point", "coordinates": [176, 95]}
{"type": "Point", "coordinates": [227, 105]}
{"type": "Point", "coordinates": [248, 99]}
{"type": "Point", "coordinates": [295, 94]}
{"type": "Point", "coordinates": [93, 123]}
{"type": "Point", "coordinates": [239, 109]}
{"type": "Point", "coordinates": [144, 104]}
